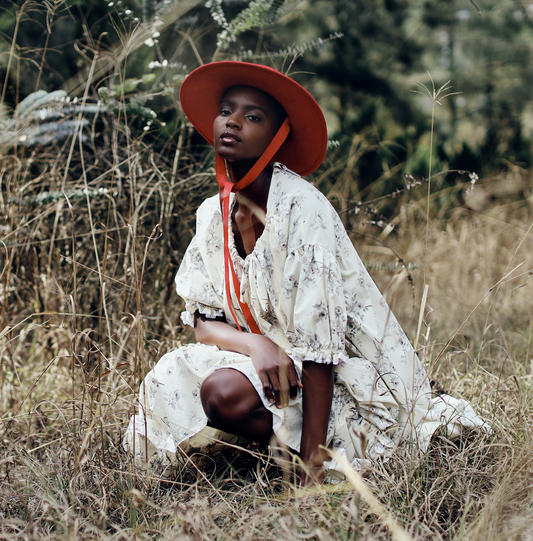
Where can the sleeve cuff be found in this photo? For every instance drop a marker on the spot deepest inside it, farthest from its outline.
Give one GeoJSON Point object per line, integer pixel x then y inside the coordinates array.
{"type": "Point", "coordinates": [320, 358]}
{"type": "Point", "coordinates": [191, 307]}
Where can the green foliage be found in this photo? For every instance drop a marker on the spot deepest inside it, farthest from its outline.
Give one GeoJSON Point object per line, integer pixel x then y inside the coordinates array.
{"type": "Point", "coordinates": [43, 118]}
{"type": "Point", "coordinates": [488, 55]}
{"type": "Point", "coordinates": [362, 81]}
{"type": "Point", "coordinates": [54, 41]}
{"type": "Point", "coordinates": [149, 9]}
{"type": "Point", "coordinates": [275, 6]}
{"type": "Point", "coordinates": [360, 59]}
{"type": "Point", "coordinates": [38, 99]}
{"type": "Point", "coordinates": [256, 15]}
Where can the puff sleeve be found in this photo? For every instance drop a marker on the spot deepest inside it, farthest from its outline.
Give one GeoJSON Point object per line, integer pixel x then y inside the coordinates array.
{"type": "Point", "coordinates": [312, 300]}
{"type": "Point", "coordinates": [199, 279]}
{"type": "Point", "coordinates": [293, 282]}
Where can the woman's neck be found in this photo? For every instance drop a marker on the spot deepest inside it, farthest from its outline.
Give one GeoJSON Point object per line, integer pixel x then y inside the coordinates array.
{"type": "Point", "coordinates": [257, 191]}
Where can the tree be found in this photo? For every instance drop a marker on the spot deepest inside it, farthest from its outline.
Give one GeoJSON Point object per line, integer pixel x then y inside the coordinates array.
{"type": "Point", "coordinates": [486, 50]}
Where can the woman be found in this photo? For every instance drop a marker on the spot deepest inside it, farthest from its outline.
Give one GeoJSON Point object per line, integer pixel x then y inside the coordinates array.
{"type": "Point", "coordinates": [324, 362]}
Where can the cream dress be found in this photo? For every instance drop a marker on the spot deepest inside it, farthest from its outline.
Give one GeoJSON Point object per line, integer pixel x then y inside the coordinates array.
{"type": "Point", "coordinates": [310, 293]}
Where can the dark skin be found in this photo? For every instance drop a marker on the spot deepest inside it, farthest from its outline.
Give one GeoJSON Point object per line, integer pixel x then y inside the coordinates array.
{"type": "Point", "coordinates": [247, 121]}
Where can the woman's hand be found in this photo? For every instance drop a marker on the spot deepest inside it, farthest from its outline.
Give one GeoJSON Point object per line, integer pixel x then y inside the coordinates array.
{"type": "Point", "coordinates": [274, 368]}
{"type": "Point", "coordinates": [280, 382]}
{"type": "Point", "coordinates": [312, 470]}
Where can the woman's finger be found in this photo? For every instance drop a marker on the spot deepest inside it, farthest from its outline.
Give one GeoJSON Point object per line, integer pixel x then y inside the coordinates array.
{"type": "Point", "coordinates": [294, 381]}
{"type": "Point", "coordinates": [265, 382]}
{"type": "Point", "coordinates": [276, 388]}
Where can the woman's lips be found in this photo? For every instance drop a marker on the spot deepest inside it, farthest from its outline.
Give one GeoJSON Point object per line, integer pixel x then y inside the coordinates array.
{"type": "Point", "coordinates": [228, 137]}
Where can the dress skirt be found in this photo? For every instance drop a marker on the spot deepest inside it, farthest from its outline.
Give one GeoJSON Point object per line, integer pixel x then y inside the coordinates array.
{"type": "Point", "coordinates": [366, 421]}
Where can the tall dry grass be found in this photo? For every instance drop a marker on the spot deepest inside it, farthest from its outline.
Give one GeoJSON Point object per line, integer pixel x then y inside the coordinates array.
{"type": "Point", "coordinates": [88, 307]}
{"type": "Point", "coordinates": [92, 232]}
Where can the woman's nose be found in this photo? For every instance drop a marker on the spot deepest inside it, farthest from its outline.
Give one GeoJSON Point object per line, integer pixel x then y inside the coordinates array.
{"type": "Point", "coordinates": [232, 122]}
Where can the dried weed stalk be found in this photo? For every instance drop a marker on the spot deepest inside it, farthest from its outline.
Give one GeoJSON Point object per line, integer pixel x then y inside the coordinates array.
{"type": "Point", "coordinates": [91, 232]}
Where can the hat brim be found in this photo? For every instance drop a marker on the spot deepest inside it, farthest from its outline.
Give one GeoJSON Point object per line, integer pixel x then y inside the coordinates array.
{"type": "Point", "coordinates": [202, 90]}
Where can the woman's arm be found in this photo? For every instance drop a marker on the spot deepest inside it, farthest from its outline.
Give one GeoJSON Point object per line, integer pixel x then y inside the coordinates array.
{"type": "Point", "coordinates": [274, 368]}
{"type": "Point", "coordinates": [279, 379]}
{"type": "Point", "coordinates": [317, 382]}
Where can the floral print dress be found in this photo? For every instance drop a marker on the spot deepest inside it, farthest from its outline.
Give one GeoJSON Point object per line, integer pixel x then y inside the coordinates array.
{"type": "Point", "coordinates": [310, 293]}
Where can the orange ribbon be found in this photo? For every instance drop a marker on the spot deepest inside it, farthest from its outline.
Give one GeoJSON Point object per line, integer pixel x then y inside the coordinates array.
{"type": "Point", "coordinates": [226, 187]}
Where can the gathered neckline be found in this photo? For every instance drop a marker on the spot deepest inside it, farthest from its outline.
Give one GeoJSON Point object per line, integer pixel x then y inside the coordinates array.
{"type": "Point", "coordinates": [234, 252]}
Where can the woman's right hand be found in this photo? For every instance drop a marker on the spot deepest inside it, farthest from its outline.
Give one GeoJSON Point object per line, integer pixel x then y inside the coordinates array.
{"type": "Point", "coordinates": [274, 367]}
{"type": "Point", "coordinates": [275, 370]}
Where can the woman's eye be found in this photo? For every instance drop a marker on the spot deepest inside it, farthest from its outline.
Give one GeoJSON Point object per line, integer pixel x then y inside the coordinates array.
{"type": "Point", "coordinates": [224, 112]}
{"type": "Point", "coordinates": [253, 118]}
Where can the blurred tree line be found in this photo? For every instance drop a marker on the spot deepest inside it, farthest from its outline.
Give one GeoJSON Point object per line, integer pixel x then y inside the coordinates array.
{"type": "Point", "coordinates": [364, 60]}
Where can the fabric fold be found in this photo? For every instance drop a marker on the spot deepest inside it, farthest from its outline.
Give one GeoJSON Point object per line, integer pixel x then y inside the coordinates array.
{"type": "Point", "coordinates": [310, 293]}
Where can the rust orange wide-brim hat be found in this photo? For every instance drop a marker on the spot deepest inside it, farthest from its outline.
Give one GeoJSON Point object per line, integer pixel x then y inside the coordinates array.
{"type": "Point", "coordinates": [202, 91]}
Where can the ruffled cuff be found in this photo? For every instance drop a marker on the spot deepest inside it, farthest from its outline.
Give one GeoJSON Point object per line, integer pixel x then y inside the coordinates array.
{"type": "Point", "coordinates": [192, 307]}
{"type": "Point", "coordinates": [320, 358]}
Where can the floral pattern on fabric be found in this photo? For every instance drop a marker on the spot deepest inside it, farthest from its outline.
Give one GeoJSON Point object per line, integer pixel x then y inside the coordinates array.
{"type": "Point", "coordinates": [310, 293]}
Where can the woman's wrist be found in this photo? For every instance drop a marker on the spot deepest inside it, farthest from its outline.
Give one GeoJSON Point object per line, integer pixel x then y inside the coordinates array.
{"type": "Point", "coordinates": [314, 462]}
{"type": "Point", "coordinates": [251, 343]}
{"type": "Point", "coordinates": [311, 469]}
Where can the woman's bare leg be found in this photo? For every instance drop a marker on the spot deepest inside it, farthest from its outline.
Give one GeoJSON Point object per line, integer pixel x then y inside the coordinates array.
{"type": "Point", "coordinates": [232, 404]}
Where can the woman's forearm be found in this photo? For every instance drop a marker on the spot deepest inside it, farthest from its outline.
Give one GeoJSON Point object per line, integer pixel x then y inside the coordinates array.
{"type": "Point", "coordinates": [218, 333]}
{"type": "Point", "coordinates": [317, 380]}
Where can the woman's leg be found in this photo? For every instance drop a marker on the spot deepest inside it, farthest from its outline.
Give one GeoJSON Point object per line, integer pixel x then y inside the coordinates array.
{"type": "Point", "coordinates": [232, 404]}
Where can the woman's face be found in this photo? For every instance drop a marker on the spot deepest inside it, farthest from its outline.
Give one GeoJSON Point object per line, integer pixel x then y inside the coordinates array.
{"type": "Point", "coordinates": [245, 125]}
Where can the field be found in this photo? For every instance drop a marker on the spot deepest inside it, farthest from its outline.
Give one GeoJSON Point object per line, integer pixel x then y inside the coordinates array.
{"type": "Point", "coordinates": [97, 205]}
{"type": "Point", "coordinates": [93, 229]}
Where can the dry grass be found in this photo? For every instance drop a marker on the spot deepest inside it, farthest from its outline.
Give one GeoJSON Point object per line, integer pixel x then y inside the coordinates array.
{"type": "Point", "coordinates": [91, 235]}
{"type": "Point", "coordinates": [88, 306]}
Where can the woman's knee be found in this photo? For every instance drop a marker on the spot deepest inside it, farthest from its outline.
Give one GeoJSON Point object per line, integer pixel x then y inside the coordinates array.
{"type": "Point", "coordinates": [228, 396]}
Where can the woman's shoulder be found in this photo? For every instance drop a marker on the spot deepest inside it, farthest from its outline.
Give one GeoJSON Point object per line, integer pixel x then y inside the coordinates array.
{"type": "Point", "coordinates": [302, 215]}
{"type": "Point", "coordinates": [209, 205]}
{"type": "Point", "coordinates": [290, 190]}
{"type": "Point", "coordinates": [208, 212]}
